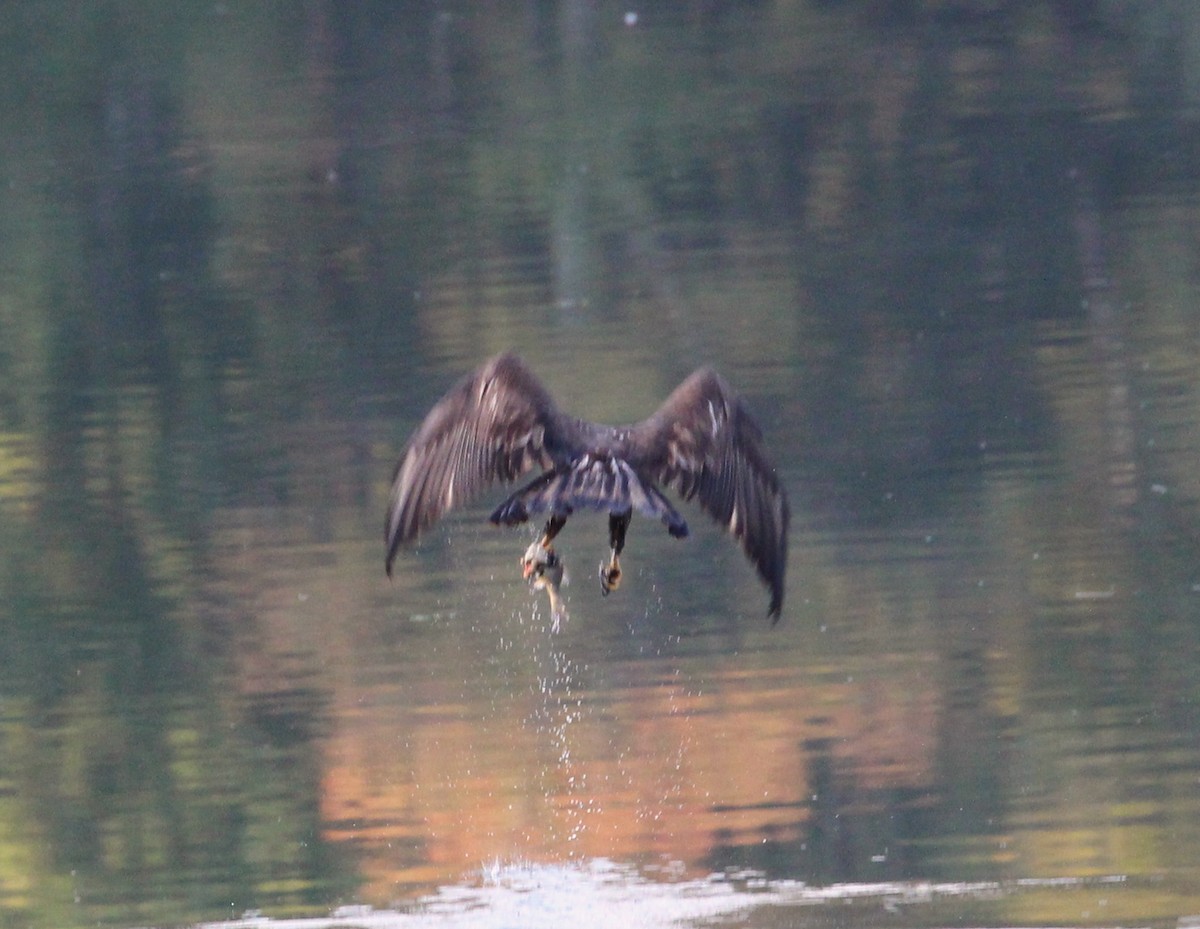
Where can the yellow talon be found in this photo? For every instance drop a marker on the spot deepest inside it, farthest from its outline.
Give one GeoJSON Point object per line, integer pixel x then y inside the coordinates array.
{"type": "Point", "coordinates": [610, 577]}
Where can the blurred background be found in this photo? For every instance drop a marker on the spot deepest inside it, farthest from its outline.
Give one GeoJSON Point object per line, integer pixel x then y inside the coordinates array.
{"type": "Point", "coordinates": [945, 249]}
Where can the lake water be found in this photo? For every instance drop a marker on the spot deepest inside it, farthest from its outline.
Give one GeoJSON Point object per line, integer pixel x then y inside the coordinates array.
{"type": "Point", "coordinates": [947, 253]}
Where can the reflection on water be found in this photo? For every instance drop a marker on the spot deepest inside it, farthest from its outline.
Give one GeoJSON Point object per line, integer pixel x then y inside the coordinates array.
{"type": "Point", "coordinates": [587, 756]}
{"type": "Point", "coordinates": [944, 253]}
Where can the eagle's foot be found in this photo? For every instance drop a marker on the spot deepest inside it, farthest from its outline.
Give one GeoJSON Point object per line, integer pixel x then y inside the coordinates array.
{"type": "Point", "coordinates": [610, 577]}
{"type": "Point", "coordinates": [537, 558]}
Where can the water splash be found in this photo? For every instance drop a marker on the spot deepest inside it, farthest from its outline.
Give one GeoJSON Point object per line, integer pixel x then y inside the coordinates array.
{"type": "Point", "coordinates": [599, 894]}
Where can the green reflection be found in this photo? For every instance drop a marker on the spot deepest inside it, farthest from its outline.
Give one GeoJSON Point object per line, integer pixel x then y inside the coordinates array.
{"type": "Point", "coordinates": [245, 246]}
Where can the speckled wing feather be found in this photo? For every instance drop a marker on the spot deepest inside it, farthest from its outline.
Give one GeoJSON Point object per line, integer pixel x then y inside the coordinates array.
{"type": "Point", "coordinates": [494, 425]}
{"type": "Point", "coordinates": [703, 442]}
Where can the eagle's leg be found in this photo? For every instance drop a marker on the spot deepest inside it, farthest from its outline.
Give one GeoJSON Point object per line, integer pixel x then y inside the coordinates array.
{"type": "Point", "coordinates": [553, 526]}
{"type": "Point", "coordinates": [540, 555]}
{"type": "Point", "coordinates": [610, 574]}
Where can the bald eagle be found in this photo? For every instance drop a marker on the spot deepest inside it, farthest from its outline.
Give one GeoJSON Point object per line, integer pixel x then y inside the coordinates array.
{"type": "Point", "coordinates": [500, 423]}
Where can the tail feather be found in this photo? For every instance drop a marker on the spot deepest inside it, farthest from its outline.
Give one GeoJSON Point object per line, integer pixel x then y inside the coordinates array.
{"type": "Point", "coordinates": [593, 482]}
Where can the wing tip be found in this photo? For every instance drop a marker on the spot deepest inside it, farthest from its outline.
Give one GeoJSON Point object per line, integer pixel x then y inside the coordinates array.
{"type": "Point", "coordinates": [775, 608]}
{"type": "Point", "coordinates": [505, 359]}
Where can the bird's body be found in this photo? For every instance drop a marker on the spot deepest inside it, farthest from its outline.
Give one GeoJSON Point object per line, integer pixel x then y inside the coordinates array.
{"type": "Point", "coordinates": [500, 423]}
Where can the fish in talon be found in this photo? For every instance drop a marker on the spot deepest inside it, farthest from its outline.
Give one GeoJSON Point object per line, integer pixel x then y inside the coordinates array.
{"type": "Point", "coordinates": [537, 556]}
{"type": "Point", "coordinates": [545, 571]}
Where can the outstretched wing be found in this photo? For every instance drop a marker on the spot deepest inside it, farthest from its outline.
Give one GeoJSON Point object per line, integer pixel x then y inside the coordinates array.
{"type": "Point", "coordinates": [702, 442]}
{"type": "Point", "coordinates": [494, 425]}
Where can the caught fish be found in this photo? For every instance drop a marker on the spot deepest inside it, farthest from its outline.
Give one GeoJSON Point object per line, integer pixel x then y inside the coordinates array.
{"type": "Point", "coordinates": [544, 570]}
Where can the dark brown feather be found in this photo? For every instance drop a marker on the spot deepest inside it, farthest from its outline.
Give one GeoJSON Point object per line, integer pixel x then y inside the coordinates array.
{"type": "Point", "coordinates": [703, 442]}
{"type": "Point", "coordinates": [495, 425]}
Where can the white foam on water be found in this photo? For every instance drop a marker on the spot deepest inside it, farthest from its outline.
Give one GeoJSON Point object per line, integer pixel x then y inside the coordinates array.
{"type": "Point", "coordinates": [600, 894]}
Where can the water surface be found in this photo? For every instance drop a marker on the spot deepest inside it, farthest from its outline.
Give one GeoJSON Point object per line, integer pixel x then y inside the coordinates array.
{"type": "Point", "coordinates": [946, 256]}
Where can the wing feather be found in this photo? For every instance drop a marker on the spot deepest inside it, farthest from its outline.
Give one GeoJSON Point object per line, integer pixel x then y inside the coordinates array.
{"type": "Point", "coordinates": [703, 442]}
{"type": "Point", "coordinates": [494, 425]}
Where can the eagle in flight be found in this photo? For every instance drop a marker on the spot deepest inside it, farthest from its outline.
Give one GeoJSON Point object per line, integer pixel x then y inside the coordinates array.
{"type": "Point", "coordinates": [500, 423]}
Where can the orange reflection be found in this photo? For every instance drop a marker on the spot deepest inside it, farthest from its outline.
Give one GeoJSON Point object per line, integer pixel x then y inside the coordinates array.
{"type": "Point", "coordinates": [432, 787]}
